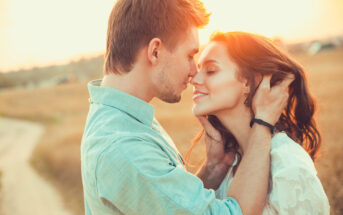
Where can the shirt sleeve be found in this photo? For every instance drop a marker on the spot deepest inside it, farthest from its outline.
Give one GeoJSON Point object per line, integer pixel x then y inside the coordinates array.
{"type": "Point", "coordinates": [138, 177]}
{"type": "Point", "coordinates": [298, 192]}
{"type": "Point", "coordinates": [296, 189]}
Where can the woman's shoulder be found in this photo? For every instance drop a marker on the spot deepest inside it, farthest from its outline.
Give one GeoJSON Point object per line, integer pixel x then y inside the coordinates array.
{"type": "Point", "coordinates": [294, 185]}
{"type": "Point", "coordinates": [288, 154]}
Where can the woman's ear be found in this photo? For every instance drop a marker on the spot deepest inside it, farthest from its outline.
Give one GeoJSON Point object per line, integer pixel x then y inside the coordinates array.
{"type": "Point", "coordinates": [154, 49]}
{"type": "Point", "coordinates": [246, 86]}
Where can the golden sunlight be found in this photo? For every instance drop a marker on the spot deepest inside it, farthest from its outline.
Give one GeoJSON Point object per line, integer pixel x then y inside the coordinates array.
{"type": "Point", "coordinates": [40, 32]}
{"type": "Point", "coordinates": [293, 20]}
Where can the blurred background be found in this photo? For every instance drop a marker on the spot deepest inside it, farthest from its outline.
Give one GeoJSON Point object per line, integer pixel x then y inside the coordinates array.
{"type": "Point", "coordinates": [49, 50]}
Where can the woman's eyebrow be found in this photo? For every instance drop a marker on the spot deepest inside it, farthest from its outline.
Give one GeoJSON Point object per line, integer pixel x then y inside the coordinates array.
{"type": "Point", "coordinates": [208, 61]}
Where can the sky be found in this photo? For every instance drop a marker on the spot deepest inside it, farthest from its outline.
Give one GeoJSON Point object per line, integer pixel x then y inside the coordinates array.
{"type": "Point", "coordinates": [44, 32]}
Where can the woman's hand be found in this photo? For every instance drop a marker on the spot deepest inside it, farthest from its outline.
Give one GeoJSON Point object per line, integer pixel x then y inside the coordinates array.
{"type": "Point", "coordinates": [268, 103]}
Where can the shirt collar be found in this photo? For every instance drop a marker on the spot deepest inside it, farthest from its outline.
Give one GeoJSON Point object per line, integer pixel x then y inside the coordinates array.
{"type": "Point", "coordinates": [135, 107]}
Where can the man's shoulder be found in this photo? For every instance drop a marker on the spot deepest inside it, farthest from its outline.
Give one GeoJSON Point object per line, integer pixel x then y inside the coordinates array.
{"type": "Point", "coordinates": [134, 153]}
{"type": "Point", "coordinates": [121, 140]}
{"type": "Point", "coordinates": [134, 142]}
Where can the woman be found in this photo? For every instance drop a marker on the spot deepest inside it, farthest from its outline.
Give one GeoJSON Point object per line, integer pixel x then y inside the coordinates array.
{"type": "Point", "coordinates": [230, 70]}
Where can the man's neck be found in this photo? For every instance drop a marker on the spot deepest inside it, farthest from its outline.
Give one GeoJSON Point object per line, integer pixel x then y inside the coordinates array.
{"type": "Point", "coordinates": [133, 83]}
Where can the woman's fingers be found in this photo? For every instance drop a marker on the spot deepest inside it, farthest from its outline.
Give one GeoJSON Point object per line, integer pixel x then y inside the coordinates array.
{"type": "Point", "coordinates": [283, 85]}
{"type": "Point", "coordinates": [265, 83]}
{"type": "Point", "coordinates": [268, 103]}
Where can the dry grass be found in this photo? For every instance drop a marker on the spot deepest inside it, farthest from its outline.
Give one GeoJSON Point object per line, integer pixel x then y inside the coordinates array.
{"type": "Point", "coordinates": [0, 192]}
{"type": "Point", "coordinates": [0, 180]}
{"type": "Point", "coordinates": [63, 110]}
{"type": "Point", "coordinates": [325, 73]}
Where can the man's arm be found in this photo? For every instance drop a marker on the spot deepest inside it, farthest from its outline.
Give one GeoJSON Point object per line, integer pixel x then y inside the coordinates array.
{"type": "Point", "coordinates": [138, 177]}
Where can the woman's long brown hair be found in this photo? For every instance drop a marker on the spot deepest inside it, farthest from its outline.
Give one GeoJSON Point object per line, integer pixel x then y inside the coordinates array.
{"type": "Point", "coordinates": [256, 56]}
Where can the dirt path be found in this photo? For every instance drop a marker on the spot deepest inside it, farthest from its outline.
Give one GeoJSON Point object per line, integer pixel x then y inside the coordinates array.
{"type": "Point", "coordinates": [23, 190]}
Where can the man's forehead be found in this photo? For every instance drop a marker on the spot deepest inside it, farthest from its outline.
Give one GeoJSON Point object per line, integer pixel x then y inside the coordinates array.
{"type": "Point", "coordinates": [193, 38]}
{"type": "Point", "coordinates": [189, 41]}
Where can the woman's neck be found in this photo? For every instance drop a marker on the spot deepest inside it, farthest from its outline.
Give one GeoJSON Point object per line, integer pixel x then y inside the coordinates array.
{"type": "Point", "coordinates": [237, 121]}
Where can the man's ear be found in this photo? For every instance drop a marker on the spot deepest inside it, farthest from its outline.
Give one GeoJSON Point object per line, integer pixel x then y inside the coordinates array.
{"type": "Point", "coordinates": [154, 49]}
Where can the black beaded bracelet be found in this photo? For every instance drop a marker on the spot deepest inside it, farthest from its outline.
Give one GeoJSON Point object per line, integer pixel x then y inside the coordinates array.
{"type": "Point", "coordinates": [261, 122]}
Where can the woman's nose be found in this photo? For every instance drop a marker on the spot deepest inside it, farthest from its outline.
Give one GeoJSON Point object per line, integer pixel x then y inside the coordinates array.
{"type": "Point", "coordinates": [197, 79]}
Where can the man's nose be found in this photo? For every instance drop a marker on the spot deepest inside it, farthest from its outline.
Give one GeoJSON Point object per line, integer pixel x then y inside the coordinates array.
{"type": "Point", "coordinates": [193, 70]}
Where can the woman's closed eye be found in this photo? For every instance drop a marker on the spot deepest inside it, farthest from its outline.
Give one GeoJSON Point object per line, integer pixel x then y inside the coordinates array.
{"type": "Point", "coordinates": [210, 72]}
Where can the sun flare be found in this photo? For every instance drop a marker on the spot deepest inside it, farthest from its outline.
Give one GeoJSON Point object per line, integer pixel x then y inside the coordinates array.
{"type": "Point", "coordinates": [292, 19]}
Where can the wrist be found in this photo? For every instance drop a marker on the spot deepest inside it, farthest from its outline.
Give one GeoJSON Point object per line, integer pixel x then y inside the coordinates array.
{"type": "Point", "coordinates": [265, 117]}
{"type": "Point", "coordinates": [212, 175]}
{"type": "Point", "coordinates": [216, 167]}
{"type": "Point", "coordinates": [259, 121]}
{"type": "Point", "coordinates": [260, 140]}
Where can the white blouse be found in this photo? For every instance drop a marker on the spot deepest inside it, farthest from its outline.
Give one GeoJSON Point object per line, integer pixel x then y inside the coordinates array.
{"type": "Point", "coordinates": [294, 187]}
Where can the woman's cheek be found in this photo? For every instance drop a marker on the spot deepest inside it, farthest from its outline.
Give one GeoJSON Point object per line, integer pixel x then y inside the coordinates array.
{"type": "Point", "coordinates": [227, 93]}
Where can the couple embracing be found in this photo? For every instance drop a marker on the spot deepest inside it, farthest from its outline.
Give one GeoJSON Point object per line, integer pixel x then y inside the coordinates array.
{"type": "Point", "coordinates": [251, 98]}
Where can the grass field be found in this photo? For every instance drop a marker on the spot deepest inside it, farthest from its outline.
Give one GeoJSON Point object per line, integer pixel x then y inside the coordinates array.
{"type": "Point", "coordinates": [0, 192]}
{"type": "Point", "coordinates": [63, 109]}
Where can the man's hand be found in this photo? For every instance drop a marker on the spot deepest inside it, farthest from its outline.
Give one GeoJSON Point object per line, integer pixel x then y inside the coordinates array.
{"type": "Point", "coordinates": [217, 161]}
{"type": "Point", "coordinates": [268, 103]}
{"type": "Point", "coordinates": [215, 145]}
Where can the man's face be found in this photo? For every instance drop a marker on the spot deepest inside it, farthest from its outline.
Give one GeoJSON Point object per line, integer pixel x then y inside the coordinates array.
{"type": "Point", "coordinates": [177, 68]}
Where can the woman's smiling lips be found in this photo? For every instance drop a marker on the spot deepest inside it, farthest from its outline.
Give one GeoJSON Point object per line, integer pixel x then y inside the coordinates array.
{"type": "Point", "coordinates": [198, 94]}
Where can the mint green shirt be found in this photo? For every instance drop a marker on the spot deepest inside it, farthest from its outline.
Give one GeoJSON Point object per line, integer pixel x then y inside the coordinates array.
{"type": "Point", "coordinates": [131, 166]}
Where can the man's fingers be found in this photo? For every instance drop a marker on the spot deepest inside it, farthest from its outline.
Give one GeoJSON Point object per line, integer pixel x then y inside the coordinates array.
{"type": "Point", "coordinates": [265, 83]}
{"type": "Point", "coordinates": [209, 129]}
{"type": "Point", "coordinates": [205, 123]}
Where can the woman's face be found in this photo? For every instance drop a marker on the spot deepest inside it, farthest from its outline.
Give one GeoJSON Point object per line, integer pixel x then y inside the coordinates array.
{"type": "Point", "coordinates": [216, 85]}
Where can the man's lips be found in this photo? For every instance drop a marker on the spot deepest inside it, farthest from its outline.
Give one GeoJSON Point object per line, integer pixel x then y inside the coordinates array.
{"type": "Point", "coordinates": [198, 94]}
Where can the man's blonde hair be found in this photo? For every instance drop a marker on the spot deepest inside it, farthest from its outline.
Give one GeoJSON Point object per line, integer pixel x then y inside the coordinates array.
{"type": "Point", "coordinates": [133, 23]}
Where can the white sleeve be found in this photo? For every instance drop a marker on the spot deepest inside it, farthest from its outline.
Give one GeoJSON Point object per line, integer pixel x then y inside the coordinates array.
{"type": "Point", "coordinates": [297, 190]}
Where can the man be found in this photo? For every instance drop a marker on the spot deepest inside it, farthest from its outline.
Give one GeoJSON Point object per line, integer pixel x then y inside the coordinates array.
{"type": "Point", "coordinates": [129, 163]}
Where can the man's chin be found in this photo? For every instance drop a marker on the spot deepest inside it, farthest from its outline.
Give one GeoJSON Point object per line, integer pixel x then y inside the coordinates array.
{"type": "Point", "coordinates": [171, 99]}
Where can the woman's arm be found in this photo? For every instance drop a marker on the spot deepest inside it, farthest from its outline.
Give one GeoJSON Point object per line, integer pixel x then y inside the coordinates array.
{"type": "Point", "coordinates": [250, 184]}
